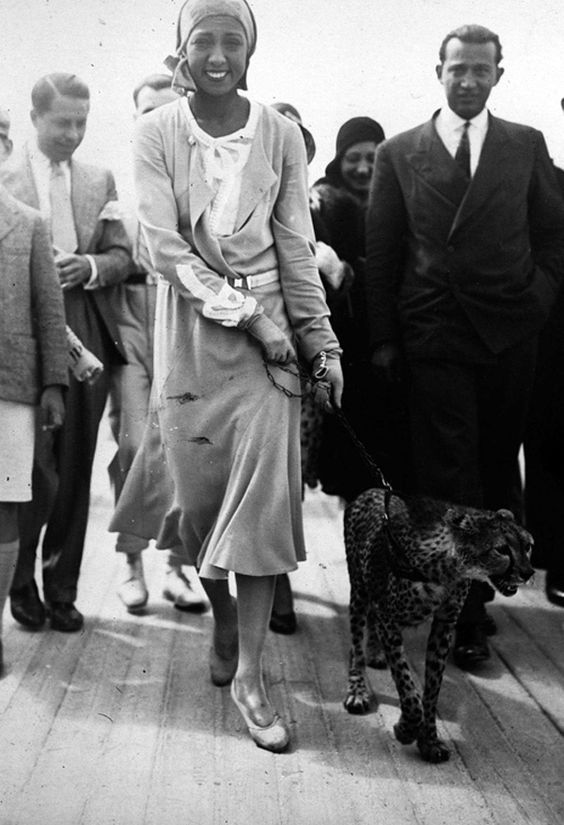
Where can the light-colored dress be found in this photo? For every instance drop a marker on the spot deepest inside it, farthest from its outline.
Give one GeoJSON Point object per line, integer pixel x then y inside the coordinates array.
{"type": "Point", "coordinates": [230, 436]}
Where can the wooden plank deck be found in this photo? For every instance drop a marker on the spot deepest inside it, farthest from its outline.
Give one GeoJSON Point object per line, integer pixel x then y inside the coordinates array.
{"type": "Point", "coordinates": [120, 725]}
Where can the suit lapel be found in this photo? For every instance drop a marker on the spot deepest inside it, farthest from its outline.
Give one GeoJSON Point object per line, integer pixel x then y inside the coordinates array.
{"type": "Point", "coordinates": [433, 163]}
{"type": "Point", "coordinates": [9, 216]}
{"type": "Point", "coordinates": [201, 196]}
{"type": "Point", "coordinates": [24, 188]}
{"type": "Point", "coordinates": [491, 170]}
{"type": "Point", "coordinates": [200, 193]}
{"type": "Point", "coordinates": [84, 203]}
{"type": "Point", "coordinates": [258, 177]}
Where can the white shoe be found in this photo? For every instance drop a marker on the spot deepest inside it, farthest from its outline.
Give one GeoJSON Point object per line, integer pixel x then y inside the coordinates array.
{"type": "Point", "coordinates": [133, 592]}
{"type": "Point", "coordinates": [179, 590]}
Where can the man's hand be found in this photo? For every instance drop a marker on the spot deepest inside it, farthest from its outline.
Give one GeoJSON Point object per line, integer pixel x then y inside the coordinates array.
{"type": "Point", "coordinates": [276, 346]}
{"type": "Point", "coordinates": [386, 361]}
{"type": "Point", "coordinates": [72, 269]}
{"type": "Point", "coordinates": [52, 407]}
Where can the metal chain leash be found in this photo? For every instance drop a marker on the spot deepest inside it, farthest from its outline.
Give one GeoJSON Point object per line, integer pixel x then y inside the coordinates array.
{"type": "Point", "coordinates": [309, 383]}
{"type": "Point", "coordinates": [300, 374]}
{"type": "Point", "coordinates": [394, 549]}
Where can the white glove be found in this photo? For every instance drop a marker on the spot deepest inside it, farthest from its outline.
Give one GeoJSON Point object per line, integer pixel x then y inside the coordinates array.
{"type": "Point", "coordinates": [276, 345]}
{"type": "Point", "coordinates": [327, 388]}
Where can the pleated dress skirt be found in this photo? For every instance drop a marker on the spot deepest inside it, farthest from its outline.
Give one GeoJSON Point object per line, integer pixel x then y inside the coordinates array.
{"type": "Point", "coordinates": [229, 426]}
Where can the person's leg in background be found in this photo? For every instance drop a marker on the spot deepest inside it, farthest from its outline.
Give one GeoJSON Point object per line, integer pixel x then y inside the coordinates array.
{"type": "Point", "coordinates": [9, 546]}
{"type": "Point", "coordinates": [544, 457]}
{"type": "Point", "coordinates": [129, 399]}
{"type": "Point", "coordinates": [445, 441]}
{"type": "Point", "coordinates": [63, 542]}
{"type": "Point", "coordinates": [25, 602]}
{"type": "Point", "coordinates": [130, 393]}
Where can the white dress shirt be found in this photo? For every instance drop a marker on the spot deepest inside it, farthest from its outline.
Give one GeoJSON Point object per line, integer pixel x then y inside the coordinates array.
{"type": "Point", "coordinates": [41, 171]}
{"type": "Point", "coordinates": [450, 126]}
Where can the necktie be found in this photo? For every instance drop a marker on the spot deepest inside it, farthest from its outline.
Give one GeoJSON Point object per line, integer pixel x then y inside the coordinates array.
{"type": "Point", "coordinates": [62, 220]}
{"type": "Point", "coordinates": [462, 156]}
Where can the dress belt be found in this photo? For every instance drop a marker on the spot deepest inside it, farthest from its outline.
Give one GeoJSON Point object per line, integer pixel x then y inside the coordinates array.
{"type": "Point", "coordinates": [252, 281]}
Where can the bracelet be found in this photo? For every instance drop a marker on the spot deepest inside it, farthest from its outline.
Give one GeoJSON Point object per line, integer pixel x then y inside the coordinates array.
{"type": "Point", "coordinates": [320, 371]}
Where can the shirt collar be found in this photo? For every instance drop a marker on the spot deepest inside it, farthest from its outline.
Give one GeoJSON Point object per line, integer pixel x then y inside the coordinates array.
{"type": "Point", "coordinates": [40, 159]}
{"type": "Point", "coordinates": [454, 122]}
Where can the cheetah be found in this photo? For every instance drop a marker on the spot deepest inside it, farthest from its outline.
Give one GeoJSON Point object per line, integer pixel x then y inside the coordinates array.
{"type": "Point", "coordinates": [411, 558]}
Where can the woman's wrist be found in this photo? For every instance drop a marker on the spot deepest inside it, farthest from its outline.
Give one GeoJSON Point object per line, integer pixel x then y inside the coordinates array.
{"type": "Point", "coordinates": [320, 363]}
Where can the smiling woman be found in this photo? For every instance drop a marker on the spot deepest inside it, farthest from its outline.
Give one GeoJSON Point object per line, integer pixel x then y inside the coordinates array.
{"type": "Point", "coordinates": [222, 198]}
{"type": "Point", "coordinates": [217, 55]}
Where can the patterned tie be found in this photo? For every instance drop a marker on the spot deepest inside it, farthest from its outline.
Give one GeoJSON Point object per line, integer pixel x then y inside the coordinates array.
{"type": "Point", "coordinates": [462, 156]}
{"type": "Point", "coordinates": [62, 220]}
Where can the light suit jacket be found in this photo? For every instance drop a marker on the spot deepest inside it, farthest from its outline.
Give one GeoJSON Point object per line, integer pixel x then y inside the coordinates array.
{"type": "Point", "coordinates": [33, 351]}
{"type": "Point", "coordinates": [92, 188]}
{"type": "Point", "coordinates": [455, 265]}
{"type": "Point", "coordinates": [273, 231]}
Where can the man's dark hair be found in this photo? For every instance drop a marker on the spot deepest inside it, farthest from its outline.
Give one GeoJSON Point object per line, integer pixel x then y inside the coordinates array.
{"type": "Point", "coordinates": [57, 84]}
{"type": "Point", "coordinates": [153, 81]}
{"type": "Point", "coordinates": [472, 34]}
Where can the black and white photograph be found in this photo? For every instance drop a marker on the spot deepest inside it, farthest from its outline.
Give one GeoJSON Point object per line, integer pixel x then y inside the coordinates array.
{"type": "Point", "coordinates": [281, 412]}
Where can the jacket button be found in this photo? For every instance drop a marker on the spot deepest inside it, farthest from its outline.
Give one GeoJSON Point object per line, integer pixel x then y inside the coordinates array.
{"type": "Point", "coordinates": [450, 248]}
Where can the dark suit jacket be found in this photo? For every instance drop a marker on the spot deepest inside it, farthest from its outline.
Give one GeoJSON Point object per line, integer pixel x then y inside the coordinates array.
{"type": "Point", "coordinates": [33, 351]}
{"type": "Point", "coordinates": [457, 270]}
{"type": "Point", "coordinates": [102, 237]}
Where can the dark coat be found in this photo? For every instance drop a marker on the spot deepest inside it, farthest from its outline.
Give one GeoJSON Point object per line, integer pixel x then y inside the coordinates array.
{"type": "Point", "coordinates": [375, 409]}
{"type": "Point", "coordinates": [458, 270]}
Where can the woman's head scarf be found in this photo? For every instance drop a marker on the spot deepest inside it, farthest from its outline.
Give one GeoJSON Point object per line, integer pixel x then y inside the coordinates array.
{"type": "Point", "coordinates": [191, 14]}
{"type": "Point", "coordinates": [355, 130]}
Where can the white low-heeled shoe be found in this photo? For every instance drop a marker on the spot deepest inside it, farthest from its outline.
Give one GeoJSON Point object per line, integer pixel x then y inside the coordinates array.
{"type": "Point", "coordinates": [134, 594]}
{"type": "Point", "coordinates": [178, 590]}
{"type": "Point", "coordinates": [274, 737]}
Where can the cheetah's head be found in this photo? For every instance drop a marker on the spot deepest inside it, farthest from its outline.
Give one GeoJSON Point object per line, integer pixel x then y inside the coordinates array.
{"type": "Point", "coordinates": [494, 547]}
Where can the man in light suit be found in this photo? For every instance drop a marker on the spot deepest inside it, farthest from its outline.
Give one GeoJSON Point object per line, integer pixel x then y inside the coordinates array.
{"type": "Point", "coordinates": [92, 255]}
{"type": "Point", "coordinates": [33, 358]}
{"type": "Point", "coordinates": [465, 245]}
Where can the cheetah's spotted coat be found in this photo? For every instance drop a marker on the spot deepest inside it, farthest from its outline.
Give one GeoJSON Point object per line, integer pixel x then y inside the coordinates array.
{"type": "Point", "coordinates": [444, 545]}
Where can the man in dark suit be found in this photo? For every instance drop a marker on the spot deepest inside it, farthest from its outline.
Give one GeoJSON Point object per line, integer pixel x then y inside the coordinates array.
{"type": "Point", "coordinates": [465, 245]}
{"type": "Point", "coordinates": [544, 450]}
{"type": "Point", "coordinates": [92, 255]}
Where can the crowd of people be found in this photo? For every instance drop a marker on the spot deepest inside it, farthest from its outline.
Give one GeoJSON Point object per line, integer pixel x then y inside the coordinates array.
{"type": "Point", "coordinates": [414, 287]}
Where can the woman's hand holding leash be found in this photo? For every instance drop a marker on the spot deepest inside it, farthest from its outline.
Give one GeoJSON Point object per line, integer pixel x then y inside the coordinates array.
{"type": "Point", "coordinates": [276, 346]}
{"type": "Point", "coordinates": [327, 376]}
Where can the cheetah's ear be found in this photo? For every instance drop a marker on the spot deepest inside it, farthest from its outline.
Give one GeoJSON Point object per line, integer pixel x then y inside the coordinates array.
{"type": "Point", "coordinates": [507, 514]}
{"type": "Point", "coordinates": [457, 520]}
